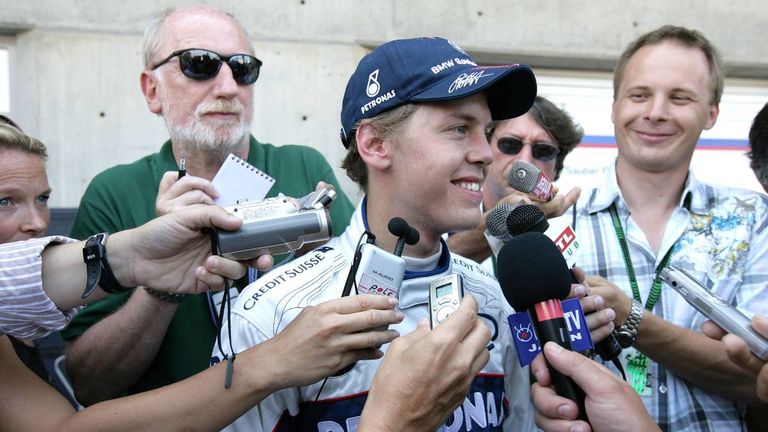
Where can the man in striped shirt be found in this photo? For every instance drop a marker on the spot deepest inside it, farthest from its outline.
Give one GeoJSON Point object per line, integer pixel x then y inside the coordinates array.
{"type": "Point", "coordinates": [649, 212]}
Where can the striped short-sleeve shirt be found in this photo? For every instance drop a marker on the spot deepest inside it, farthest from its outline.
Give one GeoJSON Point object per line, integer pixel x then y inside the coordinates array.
{"type": "Point", "coordinates": [25, 309]}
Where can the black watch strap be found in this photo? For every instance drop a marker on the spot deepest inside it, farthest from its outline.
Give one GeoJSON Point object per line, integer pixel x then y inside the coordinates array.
{"type": "Point", "coordinates": [97, 267]}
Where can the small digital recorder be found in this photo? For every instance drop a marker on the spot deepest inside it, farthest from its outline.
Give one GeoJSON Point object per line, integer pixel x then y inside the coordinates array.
{"type": "Point", "coordinates": [445, 295]}
{"type": "Point", "coordinates": [715, 308]}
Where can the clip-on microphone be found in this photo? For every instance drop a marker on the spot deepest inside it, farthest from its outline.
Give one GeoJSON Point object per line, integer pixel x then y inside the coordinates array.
{"type": "Point", "coordinates": [405, 234]}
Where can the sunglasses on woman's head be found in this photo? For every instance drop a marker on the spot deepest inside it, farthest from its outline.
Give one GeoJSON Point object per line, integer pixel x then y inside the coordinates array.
{"type": "Point", "coordinates": [201, 64]}
{"type": "Point", "coordinates": [541, 152]}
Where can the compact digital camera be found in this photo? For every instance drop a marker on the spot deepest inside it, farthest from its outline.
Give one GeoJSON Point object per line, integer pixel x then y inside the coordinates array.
{"type": "Point", "coordinates": [277, 225]}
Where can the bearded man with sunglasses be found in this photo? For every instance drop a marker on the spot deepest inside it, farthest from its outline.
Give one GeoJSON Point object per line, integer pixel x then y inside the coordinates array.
{"type": "Point", "coordinates": [542, 137]}
{"type": "Point", "coordinates": [142, 340]}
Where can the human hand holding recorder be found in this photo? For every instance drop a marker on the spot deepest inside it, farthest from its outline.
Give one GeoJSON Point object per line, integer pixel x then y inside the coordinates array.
{"type": "Point", "coordinates": [739, 353]}
{"type": "Point", "coordinates": [277, 225]}
{"type": "Point", "coordinates": [271, 226]}
{"type": "Point", "coordinates": [441, 365]}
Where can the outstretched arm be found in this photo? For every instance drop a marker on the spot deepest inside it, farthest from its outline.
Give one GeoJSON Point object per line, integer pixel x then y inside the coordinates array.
{"type": "Point", "coordinates": [201, 402]}
{"type": "Point", "coordinates": [171, 253]}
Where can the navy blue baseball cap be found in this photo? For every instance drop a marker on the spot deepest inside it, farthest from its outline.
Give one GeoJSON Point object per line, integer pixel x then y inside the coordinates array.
{"type": "Point", "coordinates": [431, 69]}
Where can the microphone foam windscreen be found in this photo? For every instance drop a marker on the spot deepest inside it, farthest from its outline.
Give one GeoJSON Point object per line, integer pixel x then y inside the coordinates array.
{"type": "Point", "coordinates": [525, 218]}
{"type": "Point", "coordinates": [413, 236]}
{"type": "Point", "coordinates": [523, 176]}
{"type": "Point", "coordinates": [531, 269]}
{"type": "Point", "coordinates": [398, 227]}
{"type": "Point", "coordinates": [496, 221]}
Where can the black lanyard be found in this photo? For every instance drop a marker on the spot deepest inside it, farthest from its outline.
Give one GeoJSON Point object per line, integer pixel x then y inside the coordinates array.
{"type": "Point", "coordinates": [653, 296]}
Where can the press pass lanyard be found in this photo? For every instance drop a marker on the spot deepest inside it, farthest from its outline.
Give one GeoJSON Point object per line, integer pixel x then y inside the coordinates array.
{"type": "Point", "coordinates": [653, 296]}
{"type": "Point", "coordinates": [637, 365]}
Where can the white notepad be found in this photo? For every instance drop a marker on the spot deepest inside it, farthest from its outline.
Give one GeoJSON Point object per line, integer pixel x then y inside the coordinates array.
{"type": "Point", "coordinates": [238, 181]}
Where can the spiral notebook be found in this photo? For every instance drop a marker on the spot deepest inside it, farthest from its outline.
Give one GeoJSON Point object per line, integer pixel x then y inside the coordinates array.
{"type": "Point", "coordinates": [238, 181]}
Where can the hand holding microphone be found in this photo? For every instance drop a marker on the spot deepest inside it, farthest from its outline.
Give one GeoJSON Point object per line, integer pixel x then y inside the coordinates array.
{"type": "Point", "coordinates": [474, 244]}
{"type": "Point", "coordinates": [539, 190]}
{"type": "Point", "coordinates": [333, 334]}
{"type": "Point", "coordinates": [376, 271]}
{"type": "Point", "coordinates": [611, 404]}
{"type": "Point", "coordinates": [531, 180]}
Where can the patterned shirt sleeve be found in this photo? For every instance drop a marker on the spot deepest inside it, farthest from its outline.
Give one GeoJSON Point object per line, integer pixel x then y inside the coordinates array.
{"type": "Point", "coordinates": [26, 311]}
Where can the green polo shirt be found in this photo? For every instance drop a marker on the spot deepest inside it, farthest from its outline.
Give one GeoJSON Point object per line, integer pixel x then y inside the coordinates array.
{"type": "Point", "coordinates": [123, 197]}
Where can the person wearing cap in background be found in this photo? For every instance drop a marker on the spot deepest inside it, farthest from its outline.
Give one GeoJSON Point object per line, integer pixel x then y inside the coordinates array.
{"type": "Point", "coordinates": [415, 115]}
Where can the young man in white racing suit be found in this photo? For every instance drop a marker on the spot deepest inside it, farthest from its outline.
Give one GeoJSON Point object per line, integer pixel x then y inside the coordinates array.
{"type": "Point", "coordinates": [414, 119]}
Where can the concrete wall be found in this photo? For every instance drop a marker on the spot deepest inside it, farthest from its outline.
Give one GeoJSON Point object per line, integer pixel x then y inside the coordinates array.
{"type": "Point", "coordinates": [75, 64]}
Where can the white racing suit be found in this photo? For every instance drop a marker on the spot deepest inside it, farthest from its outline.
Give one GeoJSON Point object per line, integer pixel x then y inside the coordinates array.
{"type": "Point", "coordinates": [499, 394]}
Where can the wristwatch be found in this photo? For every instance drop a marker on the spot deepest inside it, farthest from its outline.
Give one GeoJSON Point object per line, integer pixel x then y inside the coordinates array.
{"type": "Point", "coordinates": [626, 334]}
{"type": "Point", "coordinates": [97, 267]}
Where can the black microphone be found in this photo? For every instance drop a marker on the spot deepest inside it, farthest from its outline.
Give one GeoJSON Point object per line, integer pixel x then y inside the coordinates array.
{"type": "Point", "coordinates": [405, 234]}
{"type": "Point", "coordinates": [529, 218]}
{"type": "Point", "coordinates": [526, 218]}
{"type": "Point", "coordinates": [534, 276]}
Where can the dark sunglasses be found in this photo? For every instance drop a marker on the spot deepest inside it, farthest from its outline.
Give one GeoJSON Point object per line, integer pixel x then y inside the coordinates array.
{"type": "Point", "coordinates": [540, 151]}
{"type": "Point", "coordinates": [200, 64]}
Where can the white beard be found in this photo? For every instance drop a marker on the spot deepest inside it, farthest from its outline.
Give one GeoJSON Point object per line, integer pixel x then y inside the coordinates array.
{"type": "Point", "coordinates": [200, 134]}
{"type": "Point", "coordinates": [211, 136]}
